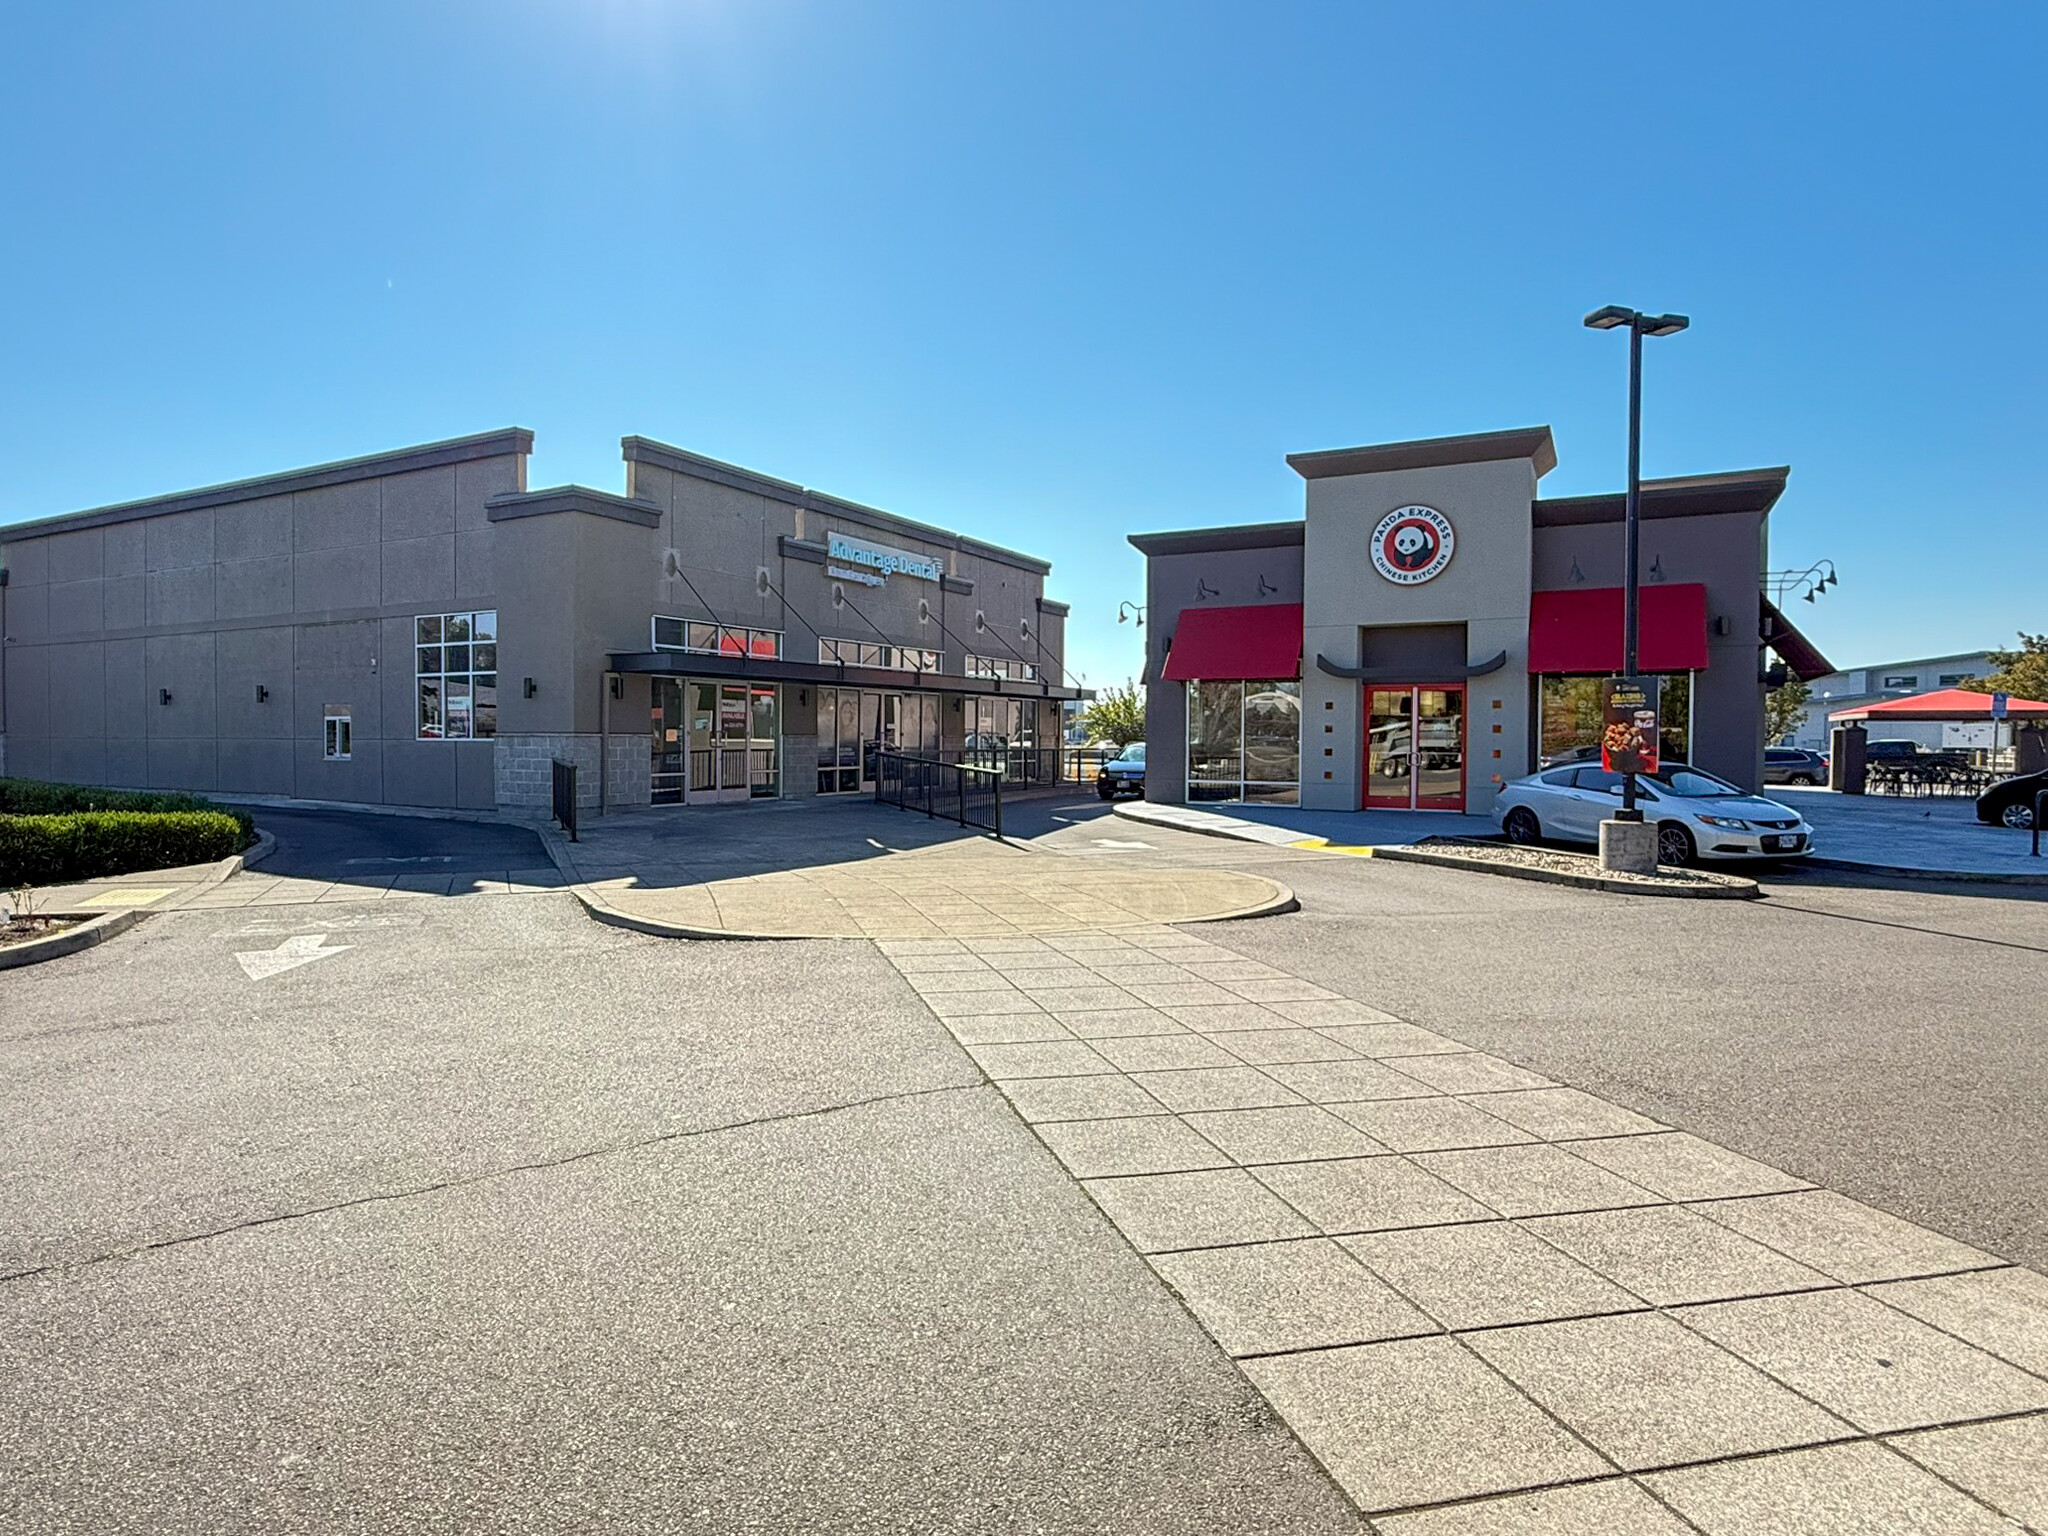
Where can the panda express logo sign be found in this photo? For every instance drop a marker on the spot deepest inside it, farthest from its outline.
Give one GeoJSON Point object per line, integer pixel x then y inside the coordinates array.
{"type": "Point", "coordinates": [1412, 545]}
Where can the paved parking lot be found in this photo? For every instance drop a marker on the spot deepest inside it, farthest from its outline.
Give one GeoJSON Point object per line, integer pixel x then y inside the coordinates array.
{"type": "Point", "coordinates": [447, 1214]}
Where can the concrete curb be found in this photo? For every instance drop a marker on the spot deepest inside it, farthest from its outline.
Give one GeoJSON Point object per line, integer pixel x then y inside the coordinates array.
{"type": "Point", "coordinates": [99, 927]}
{"type": "Point", "coordinates": [1722, 887]}
{"type": "Point", "coordinates": [1282, 900]}
{"type": "Point", "coordinates": [1130, 810]}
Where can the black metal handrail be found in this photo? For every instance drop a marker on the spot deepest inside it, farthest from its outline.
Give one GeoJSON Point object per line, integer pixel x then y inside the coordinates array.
{"type": "Point", "coordinates": [961, 792]}
{"type": "Point", "coordinates": [565, 797]}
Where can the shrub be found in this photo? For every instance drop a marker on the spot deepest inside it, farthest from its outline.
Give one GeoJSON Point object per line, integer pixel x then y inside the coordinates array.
{"type": "Point", "coordinates": [89, 845]}
{"type": "Point", "coordinates": [32, 797]}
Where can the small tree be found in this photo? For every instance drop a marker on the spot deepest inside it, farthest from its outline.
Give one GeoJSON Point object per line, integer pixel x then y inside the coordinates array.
{"type": "Point", "coordinates": [1117, 715]}
{"type": "Point", "coordinates": [1785, 709]}
{"type": "Point", "coordinates": [2022, 673]}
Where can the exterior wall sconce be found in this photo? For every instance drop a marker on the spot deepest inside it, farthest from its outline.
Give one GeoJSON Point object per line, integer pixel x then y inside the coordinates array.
{"type": "Point", "coordinates": [803, 698]}
{"type": "Point", "coordinates": [618, 686]}
{"type": "Point", "coordinates": [531, 688]}
{"type": "Point", "coordinates": [1722, 625]}
{"type": "Point", "coordinates": [163, 695]}
{"type": "Point", "coordinates": [1577, 577]}
{"type": "Point", "coordinates": [1203, 589]}
{"type": "Point", "coordinates": [262, 694]}
{"type": "Point", "coordinates": [1657, 569]}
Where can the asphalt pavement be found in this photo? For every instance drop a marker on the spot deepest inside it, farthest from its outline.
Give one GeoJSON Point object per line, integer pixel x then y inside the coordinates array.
{"type": "Point", "coordinates": [470, 1214]}
{"type": "Point", "coordinates": [488, 1217]}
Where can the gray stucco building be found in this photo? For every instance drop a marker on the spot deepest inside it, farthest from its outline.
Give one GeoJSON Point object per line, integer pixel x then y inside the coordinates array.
{"type": "Point", "coordinates": [418, 628]}
{"type": "Point", "coordinates": [1432, 628]}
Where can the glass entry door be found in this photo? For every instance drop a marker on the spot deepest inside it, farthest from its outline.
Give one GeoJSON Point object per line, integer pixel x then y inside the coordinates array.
{"type": "Point", "coordinates": [1415, 748]}
{"type": "Point", "coordinates": [715, 742]}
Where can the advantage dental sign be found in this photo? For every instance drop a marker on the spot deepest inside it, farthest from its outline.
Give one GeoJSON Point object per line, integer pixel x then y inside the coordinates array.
{"type": "Point", "coordinates": [878, 560]}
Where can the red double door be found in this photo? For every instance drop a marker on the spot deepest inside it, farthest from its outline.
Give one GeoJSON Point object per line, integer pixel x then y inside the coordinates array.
{"type": "Point", "coordinates": [1415, 747]}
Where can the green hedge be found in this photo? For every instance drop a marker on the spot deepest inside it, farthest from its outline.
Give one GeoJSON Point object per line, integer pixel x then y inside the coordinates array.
{"type": "Point", "coordinates": [32, 797]}
{"type": "Point", "coordinates": [89, 845]}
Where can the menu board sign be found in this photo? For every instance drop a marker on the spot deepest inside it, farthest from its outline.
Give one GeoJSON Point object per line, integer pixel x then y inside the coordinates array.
{"type": "Point", "coordinates": [1628, 724]}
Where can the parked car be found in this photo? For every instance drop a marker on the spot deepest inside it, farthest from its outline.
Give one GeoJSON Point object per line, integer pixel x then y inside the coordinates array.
{"type": "Point", "coordinates": [2010, 802]}
{"type": "Point", "coordinates": [1697, 816]}
{"type": "Point", "coordinates": [1124, 772]}
{"type": "Point", "coordinates": [1794, 765]}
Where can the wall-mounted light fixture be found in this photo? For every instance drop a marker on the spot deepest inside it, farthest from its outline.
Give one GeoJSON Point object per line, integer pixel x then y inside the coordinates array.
{"type": "Point", "coordinates": [1657, 569]}
{"type": "Point", "coordinates": [1203, 589]}
{"type": "Point", "coordinates": [163, 695]}
{"type": "Point", "coordinates": [1266, 588]}
{"type": "Point", "coordinates": [262, 694]}
{"type": "Point", "coordinates": [531, 688]}
{"type": "Point", "coordinates": [1722, 625]}
{"type": "Point", "coordinates": [1577, 577]}
{"type": "Point", "coordinates": [803, 698]}
{"type": "Point", "coordinates": [1127, 611]}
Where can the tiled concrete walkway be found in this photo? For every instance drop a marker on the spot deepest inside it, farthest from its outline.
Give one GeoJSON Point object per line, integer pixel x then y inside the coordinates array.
{"type": "Point", "coordinates": [970, 886]}
{"type": "Point", "coordinates": [1492, 1305]}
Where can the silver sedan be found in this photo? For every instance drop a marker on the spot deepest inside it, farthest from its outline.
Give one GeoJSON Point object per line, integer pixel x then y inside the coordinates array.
{"type": "Point", "coordinates": [1697, 816]}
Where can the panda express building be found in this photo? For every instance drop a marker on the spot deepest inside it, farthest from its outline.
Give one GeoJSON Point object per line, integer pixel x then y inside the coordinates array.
{"type": "Point", "coordinates": [1431, 629]}
{"type": "Point", "coordinates": [418, 628]}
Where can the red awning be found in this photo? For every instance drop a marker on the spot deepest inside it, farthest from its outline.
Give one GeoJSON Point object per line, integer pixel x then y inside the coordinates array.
{"type": "Point", "coordinates": [1579, 630]}
{"type": "Point", "coordinates": [1235, 644]}
{"type": "Point", "coordinates": [1944, 704]}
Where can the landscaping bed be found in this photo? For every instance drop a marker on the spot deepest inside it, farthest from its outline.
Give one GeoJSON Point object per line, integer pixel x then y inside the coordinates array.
{"type": "Point", "coordinates": [56, 834]}
{"type": "Point", "coordinates": [17, 930]}
{"type": "Point", "coordinates": [1532, 863]}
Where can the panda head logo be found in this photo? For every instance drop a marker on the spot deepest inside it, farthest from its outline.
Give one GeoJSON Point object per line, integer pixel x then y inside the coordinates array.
{"type": "Point", "coordinates": [1412, 545]}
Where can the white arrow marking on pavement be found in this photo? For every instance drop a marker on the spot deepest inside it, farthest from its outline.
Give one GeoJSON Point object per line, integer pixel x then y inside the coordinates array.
{"type": "Point", "coordinates": [300, 949]}
{"type": "Point", "coordinates": [1116, 847]}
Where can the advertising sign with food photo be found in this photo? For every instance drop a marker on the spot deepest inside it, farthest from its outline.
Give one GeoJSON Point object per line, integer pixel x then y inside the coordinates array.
{"type": "Point", "coordinates": [1628, 730]}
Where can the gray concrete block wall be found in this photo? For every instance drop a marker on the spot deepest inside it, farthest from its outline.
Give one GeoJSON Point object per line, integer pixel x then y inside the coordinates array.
{"type": "Point", "coordinates": [523, 769]}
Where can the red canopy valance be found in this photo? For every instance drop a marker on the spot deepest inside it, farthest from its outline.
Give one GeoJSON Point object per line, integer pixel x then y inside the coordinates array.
{"type": "Point", "coordinates": [1235, 644]}
{"type": "Point", "coordinates": [1579, 630]}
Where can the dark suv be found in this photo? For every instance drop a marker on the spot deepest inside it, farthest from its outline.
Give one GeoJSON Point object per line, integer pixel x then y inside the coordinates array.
{"type": "Point", "coordinates": [1794, 765]}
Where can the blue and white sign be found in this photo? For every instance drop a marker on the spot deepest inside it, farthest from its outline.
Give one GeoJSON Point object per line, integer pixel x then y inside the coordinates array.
{"type": "Point", "coordinates": [879, 560]}
{"type": "Point", "coordinates": [1998, 703]}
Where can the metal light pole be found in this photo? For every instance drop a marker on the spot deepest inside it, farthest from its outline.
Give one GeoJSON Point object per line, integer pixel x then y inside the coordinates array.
{"type": "Point", "coordinates": [1639, 325]}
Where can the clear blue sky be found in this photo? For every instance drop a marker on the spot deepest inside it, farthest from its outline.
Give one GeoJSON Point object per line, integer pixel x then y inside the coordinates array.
{"type": "Point", "coordinates": [1051, 273]}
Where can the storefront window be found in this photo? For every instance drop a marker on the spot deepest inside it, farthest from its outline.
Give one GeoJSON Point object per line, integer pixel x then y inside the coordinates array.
{"type": "Point", "coordinates": [1244, 741]}
{"type": "Point", "coordinates": [455, 664]}
{"type": "Point", "coordinates": [1569, 717]}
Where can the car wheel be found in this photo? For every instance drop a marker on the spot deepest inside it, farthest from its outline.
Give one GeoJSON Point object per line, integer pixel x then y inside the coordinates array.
{"type": "Point", "coordinates": [1803, 778]}
{"type": "Point", "coordinates": [1107, 791]}
{"type": "Point", "coordinates": [2018, 814]}
{"type": "Point", "coordinates": [1674, 844]}
{"type": "Point", "coordinates": [1521, 825]}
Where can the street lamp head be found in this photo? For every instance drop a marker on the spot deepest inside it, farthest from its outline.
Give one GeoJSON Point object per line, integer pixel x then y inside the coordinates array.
{"type": "Point", "coordinates": [1610, 317]}
{"type": "Point", "coordinates": [1663, 325]}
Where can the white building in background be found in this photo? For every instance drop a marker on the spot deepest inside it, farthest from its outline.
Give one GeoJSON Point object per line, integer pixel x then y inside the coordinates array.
{"type": "Point", "coordinates": [1889, 680]}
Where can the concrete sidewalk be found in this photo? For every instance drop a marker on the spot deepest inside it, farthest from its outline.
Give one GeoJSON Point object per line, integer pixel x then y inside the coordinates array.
{"type": "Point", "coordinates": [1289, 826]}
{"type": "Point", "coordinates": [856, 870]}
{"type": "Point", "coordinates": [1493, 1305]}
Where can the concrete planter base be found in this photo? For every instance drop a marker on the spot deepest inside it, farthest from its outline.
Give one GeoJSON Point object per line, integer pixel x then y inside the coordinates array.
{"type": "Point", "coordinates": [1628, 847]}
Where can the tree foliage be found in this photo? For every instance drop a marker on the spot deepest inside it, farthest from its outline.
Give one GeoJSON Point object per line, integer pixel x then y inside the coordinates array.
{"type": "Point", "coordinates": [2023, 673]}
{"type": "Point", "coordinates": [1785, 709]}
{"type": "Point", "coordinates": [1118, 715]}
